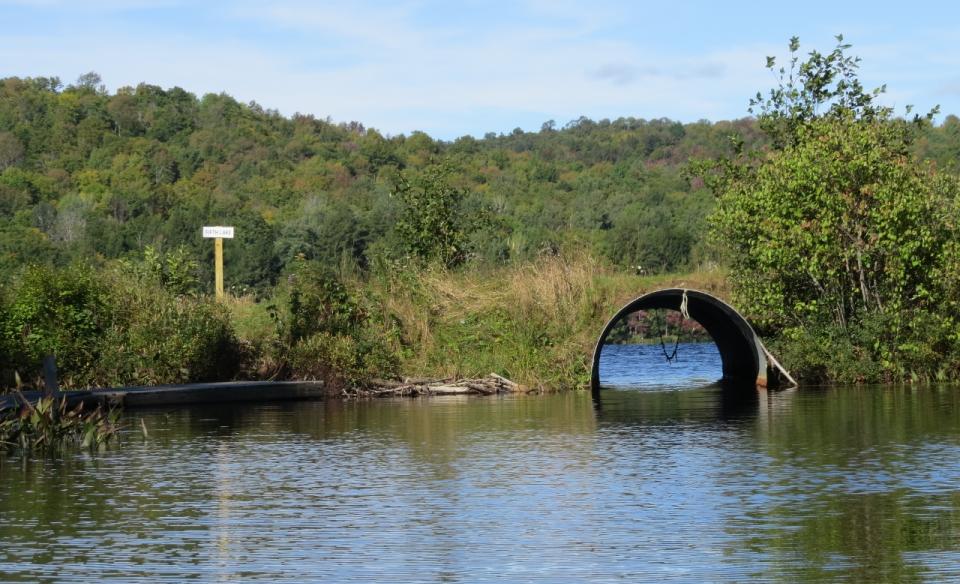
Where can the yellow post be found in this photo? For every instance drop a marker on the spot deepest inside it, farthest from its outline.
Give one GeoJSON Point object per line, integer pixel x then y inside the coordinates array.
{"type": "Point", "coordinates": [218, 233]}
{"type": "Point", "coordinates": [218, 265]}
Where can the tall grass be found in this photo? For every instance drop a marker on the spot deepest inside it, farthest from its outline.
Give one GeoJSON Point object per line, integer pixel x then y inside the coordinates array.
{"type": "Point", "coordinates": [535, 323]}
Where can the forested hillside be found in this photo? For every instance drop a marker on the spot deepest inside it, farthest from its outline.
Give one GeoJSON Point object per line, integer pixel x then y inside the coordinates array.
{"type": "Point", "coordinates": [90, 174]}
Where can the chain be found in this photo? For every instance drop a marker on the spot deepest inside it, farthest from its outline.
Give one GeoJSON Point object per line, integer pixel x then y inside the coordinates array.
{"type": "Point", "coordinates": [676, 343]}
{"type": "Point", "coordinates": [663, 346]}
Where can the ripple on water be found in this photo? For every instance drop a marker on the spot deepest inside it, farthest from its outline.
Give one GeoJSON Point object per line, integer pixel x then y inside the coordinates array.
{"type": "Point", "coordinates": [666, 486]}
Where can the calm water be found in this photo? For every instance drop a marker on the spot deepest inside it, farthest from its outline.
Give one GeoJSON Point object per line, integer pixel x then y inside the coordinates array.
{"type": "Point", "coordinates": [820, 485]}
{"type": "Point", "coordinates": [646, 367]}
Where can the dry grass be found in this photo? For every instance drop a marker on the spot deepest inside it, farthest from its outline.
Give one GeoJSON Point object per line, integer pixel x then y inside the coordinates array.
{"type": "Point", "coordinates": [535, 323]}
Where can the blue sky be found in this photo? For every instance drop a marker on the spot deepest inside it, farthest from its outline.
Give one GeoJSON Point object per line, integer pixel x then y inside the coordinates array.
{"type": "Point", "coordinates": [453, 68]}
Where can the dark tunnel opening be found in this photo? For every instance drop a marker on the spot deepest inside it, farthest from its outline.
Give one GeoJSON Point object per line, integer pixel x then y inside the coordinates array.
{"type": "Point", "coordinates": [741, 354]}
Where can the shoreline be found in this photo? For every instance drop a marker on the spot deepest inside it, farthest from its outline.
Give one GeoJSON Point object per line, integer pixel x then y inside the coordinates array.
{"type": "Point", "coordinates": [261, 391]}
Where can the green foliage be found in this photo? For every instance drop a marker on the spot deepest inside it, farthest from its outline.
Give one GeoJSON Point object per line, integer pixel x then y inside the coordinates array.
{"type": "Point", "coordinates": [175, 271]}
{"type": "Point", "coordinates": [319, 303]}
{"type": "Point", "coordinates": [651, 239]}
{"type": "Point", "coordinates": [432, 225]}
{"type": "Point", "coordinates": [85, 173]}
{"type": "Point", "coordinates": [112, 327]}
{"type": "Point", "coordinates": [161, 337]}
{"type": "Point", "coordinates": [825, 86]}
{"type": "Point", "coordinates": [839, 227]}
{"type": "Point", "coordinates": [88, 176]}
{"type": "Point", "coordinates": [342, 360]}
{"type": "Point", "coordinates": [326, 333]}
{"type": "Point", "coordinates": [840, 224]}
{"type": "Point", "coordinates": [62, 312]}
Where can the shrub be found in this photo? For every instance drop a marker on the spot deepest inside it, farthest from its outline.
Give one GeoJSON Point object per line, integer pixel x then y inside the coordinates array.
{"type": "Point", "coordinates": [342, 360]}
{"type": "Point", "coordinates": [113, 327]}
{"type": "Point", "coordinates": [159, 337]}
{"type": "Point", "coordinates": [326, 332]}
{"type": "Point", "coordinates": [319, 302]}
{"type": "Point", "coordinates": [63, 312]}
{"type": "Point", "coordinates": [839, 241]}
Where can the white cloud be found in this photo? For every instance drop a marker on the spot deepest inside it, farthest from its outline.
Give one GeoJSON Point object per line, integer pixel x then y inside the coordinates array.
{"type": "Point", "coordinates": [365, 26]}
{"type": "Point", "coordinates": [396, 69]}
{"type": "Point", "coordinates": [520, 73]}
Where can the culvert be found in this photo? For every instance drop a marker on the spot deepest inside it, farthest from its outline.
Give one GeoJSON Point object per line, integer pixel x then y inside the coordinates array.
{"type": "Point", "coordinates": [742, 354]}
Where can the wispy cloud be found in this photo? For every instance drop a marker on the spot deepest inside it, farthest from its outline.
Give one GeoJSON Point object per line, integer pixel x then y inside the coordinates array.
{"type": "Point", "coordinates": [624, 74]}
{"type": "Point", "coordinates": [444, 68]}
{"type": "Point", "coordinates": [361, 23]}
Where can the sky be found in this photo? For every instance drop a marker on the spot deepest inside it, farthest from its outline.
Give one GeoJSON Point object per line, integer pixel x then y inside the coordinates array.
{"type": "Point", "coordinates": [452, 68]}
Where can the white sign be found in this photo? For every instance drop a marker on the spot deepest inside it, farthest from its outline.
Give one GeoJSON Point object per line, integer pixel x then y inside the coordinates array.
{"type": "Point", "coordinates": [218, 231]}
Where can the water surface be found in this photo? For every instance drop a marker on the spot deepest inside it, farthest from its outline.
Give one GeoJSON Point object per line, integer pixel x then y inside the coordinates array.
{"type": "Point", "coordinates": [848, 484]}
{"type": "Point", "coordinates": [647, 367]}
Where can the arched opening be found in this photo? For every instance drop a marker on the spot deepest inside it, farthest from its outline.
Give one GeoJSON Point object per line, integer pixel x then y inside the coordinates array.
{"type": "Point", "coordinates": [741, 354]}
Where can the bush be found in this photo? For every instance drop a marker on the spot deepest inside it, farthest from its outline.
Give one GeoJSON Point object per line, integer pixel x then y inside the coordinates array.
{"type": "Point", "coordinates": [326, 332]}
{"type": "Point", "coordinates": [318, 302]}
{"type": "Point", "coordinates": [342, 360]}
{"type": "Point", "coordinates": [112, 327]}
{"type": "Point", "coordinates": [159, 337]}
{"type": "Point", "coordinates": [432, 225]}
{"type": "Point", "coordinates": [63, 312]}
{"type": "Point", "coordinates": [841, 244]}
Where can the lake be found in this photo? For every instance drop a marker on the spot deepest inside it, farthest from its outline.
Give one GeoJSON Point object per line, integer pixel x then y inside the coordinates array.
{"type": "Point", "coordinates": [669, 481]}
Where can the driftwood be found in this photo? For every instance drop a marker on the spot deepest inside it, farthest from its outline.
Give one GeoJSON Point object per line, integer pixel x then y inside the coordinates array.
{"type": "Point", "coordinates": [776, 365]}
{"type": "Point", "coordinates": [490, 385]}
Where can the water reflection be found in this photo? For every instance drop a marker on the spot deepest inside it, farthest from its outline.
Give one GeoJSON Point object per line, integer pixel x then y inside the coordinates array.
{"type": "Point", "coordinates": [846, 483]}
{"type": "Point", "coordinates": [708, 405]}
{"type": "Point", "coordinates": [852, 484]}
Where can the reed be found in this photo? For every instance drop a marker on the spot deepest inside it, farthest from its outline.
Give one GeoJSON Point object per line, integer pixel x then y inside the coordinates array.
{"type": "Point", "coordinates": [49, 425]}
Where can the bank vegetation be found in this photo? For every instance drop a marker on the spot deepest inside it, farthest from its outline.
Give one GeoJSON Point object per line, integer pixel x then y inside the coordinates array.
{"type": "Point", "coordinates": [830, 222]}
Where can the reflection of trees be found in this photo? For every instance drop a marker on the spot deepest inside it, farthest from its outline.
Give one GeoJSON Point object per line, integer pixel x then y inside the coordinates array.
{"type": "Point", "coordinates": [849, 483]}
{"type": "Point", "coordinates": [438, 462]}
{"type": "Point", "coordinates": [868, 537]}
{"type": "Point", "coordinates": [705, 407]}
{"type": "Point", "coordinates": [436, 429]}
{"type": "Point", "coordinates": [860, 481]}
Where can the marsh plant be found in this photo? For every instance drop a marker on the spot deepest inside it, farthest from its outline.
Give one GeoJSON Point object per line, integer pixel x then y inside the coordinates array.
{"type": "Point", "coordinates": [51, 424]}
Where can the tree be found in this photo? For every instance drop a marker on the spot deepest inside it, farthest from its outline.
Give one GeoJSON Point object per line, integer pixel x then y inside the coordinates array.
{"type": "Point", "coordinates": [432, 226]}
{"type": "Point", "coordinates": [837, 227]}
{"type": "Point", "coordinates": [825, 86]}
{"type": "Point", "coordinates": [91, 82]}
{"type": "Point", "coordinates": [841, 223]}
{"type": "Point", "coordinates": [11, 150]}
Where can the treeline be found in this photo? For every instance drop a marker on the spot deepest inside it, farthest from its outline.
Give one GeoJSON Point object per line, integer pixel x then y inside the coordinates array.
{"type": "Point", "coordinates": [89, 174]}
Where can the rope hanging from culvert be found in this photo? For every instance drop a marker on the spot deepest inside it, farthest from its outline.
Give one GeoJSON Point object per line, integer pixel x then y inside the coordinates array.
{"type": "Point", "coordinates": [676, 343]}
